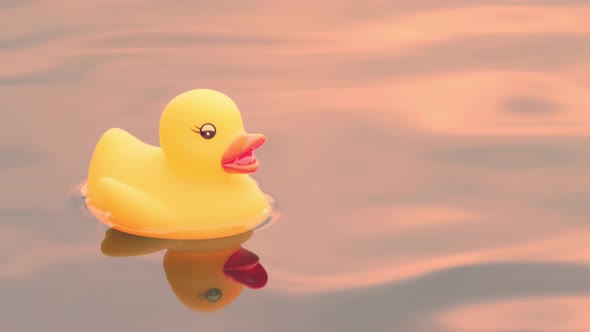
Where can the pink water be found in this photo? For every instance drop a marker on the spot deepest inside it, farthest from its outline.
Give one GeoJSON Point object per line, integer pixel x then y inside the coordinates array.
{"type": "Point", "coordinates": [430, 160]}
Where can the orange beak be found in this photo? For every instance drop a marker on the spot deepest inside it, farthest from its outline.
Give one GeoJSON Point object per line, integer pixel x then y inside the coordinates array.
{"type": "Point", "coordinates": [239, 157]}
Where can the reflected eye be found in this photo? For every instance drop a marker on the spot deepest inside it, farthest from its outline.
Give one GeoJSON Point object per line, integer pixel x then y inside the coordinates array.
{"type": "Point", "coordinates": [207, 131]}
{"type": "Point", "coordinates": [212, 295]}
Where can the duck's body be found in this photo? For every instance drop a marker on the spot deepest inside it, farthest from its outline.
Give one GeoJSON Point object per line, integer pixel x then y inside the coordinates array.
{"type": "Point", "coordinates": [151, 192]}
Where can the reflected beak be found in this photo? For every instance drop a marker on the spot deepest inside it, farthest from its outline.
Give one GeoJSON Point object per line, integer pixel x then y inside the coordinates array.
{"type": "Point", "coordinates": [239, 157]}
{"type": "Point", "coordinates": [243, 267]}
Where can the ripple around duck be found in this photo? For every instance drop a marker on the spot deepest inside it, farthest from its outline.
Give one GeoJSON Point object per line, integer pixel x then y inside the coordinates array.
{"type": "Point", "coordinates": [78, 197]}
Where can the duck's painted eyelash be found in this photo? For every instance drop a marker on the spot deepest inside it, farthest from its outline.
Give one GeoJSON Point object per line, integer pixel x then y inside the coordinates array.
{"type": "Point", "coordinates": [196, 129]}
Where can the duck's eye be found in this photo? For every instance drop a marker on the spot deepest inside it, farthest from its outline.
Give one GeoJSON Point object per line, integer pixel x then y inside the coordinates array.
{"type": "Point", "coordinates": [213, 295]}
{"type": "Point", "coordinates": [208, 131]}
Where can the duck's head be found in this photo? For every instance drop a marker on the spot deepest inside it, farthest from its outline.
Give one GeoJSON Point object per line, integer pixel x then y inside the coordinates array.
{"type": "Point", "coordinates": [201, 131]}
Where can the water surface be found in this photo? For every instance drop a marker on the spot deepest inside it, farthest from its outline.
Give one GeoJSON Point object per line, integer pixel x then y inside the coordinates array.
{"type": "Point", "coordinates": [430, 160]}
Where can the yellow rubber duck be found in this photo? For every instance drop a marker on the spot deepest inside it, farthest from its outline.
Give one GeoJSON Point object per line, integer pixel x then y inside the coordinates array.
{"type": "Point", "coordinates": [205, 275]}
{"type": "Point", "coordinates": [196, 186]}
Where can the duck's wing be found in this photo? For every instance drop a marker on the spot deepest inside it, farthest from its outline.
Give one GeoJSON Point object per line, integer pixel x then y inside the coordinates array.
{"type": "Point", "coordinates": [130, 207]}
{"type": "Point", "coordinates": [117, 155]}
{"type": "Point", "coordinates": [118, 145]}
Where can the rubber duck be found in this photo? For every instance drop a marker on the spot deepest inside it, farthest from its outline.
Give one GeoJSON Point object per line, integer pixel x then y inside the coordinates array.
{"type": "Point", "coordinates": [197, 185]}
{"type": "Point", "coordinates": [205, 275]}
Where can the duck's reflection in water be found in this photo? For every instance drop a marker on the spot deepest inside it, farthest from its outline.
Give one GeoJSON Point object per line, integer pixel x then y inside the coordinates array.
{"type": "Point", "coordinates": [206, 275]}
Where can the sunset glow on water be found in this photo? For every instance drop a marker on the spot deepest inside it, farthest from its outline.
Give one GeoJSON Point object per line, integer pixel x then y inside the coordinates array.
{"type": "Point", "coordinates": [430, 160]}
